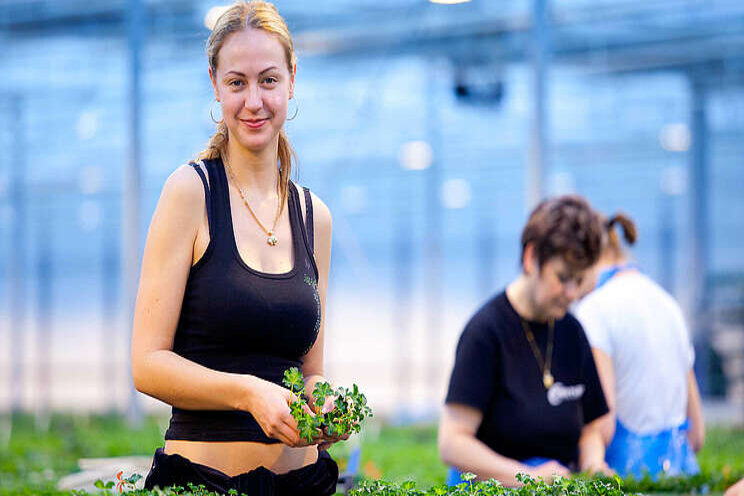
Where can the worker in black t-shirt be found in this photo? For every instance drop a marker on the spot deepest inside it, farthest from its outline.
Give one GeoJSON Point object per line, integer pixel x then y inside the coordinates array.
{"type": "Point", "coordinates": [524, 396]}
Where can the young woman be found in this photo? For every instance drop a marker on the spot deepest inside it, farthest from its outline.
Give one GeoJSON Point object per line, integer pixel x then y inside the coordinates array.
{"type": "Point", "coordinates": [644, 358]}
{"type": "Point", "coordinates": [233, 284]}
{"type": "Point", "coordinates": [524, 395]}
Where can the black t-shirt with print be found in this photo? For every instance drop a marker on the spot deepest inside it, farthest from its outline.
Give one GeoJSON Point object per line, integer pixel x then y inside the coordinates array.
{"type": "Point", "coordinates": [496, 372]}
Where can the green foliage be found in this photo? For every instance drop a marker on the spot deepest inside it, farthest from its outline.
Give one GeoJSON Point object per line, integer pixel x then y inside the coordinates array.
{"type": "Point", "coordinates": [33, 459]}
{"type": "Point", "coordinates": [702, 483]}
{"type": "Point", "coordinates": [531, 487]}
{"type": "Point", "coordinates": [350, 408]}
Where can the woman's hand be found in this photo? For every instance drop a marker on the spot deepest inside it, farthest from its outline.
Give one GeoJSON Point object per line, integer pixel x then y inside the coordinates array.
{"type": "Point", "coordinates": [736, 490]}
{"type": "Point", "coordinates": [549, 471]}
{"type": "Point", "coordinates": [269, 405]}
{"type": "Point", "coordinates": [327, 439]}
{"type": "Point", "coordinates": [599, 467]}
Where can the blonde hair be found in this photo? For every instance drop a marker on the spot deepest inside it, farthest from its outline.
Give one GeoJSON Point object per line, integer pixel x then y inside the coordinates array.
{"type": "Point", "coordinates": [242, 15]}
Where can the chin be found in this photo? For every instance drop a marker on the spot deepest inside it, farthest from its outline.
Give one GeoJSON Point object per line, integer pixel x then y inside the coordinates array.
{"type": "Point", "coordinates": [559, 313]}
{"type": "Point", "coordinates": [254, 145]}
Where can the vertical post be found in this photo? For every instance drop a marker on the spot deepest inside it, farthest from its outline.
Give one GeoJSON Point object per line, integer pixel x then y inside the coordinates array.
{"type": "Point", "coordinates": [403, 284]}
{"type": "Point", "coordinates": [44, 273]}
{"type": "Point", "coordinates": [699, 217]}
{"type": "Point", "coordinates": [109, 281]}
{"type": "Point", "coordinates": [433, 250]}
{"type": "Point", "coordinates": [17, 262]}
{"type": "Point", "coordinates": [537, 162]}
{"type": "Point", "coordinates": [131, 190]}
{"type": "Point", "coordinates": [667, 244]}
{"type": "Point", "coordinates": [486, 253]}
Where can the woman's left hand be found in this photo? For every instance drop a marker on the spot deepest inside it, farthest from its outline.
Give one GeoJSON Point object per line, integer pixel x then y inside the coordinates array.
{"type": "Point", "coordinates": [328, 440]}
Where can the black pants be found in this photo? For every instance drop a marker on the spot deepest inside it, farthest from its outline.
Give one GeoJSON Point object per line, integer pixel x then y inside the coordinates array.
{"type": "Point", "coordinates": [318, 479]}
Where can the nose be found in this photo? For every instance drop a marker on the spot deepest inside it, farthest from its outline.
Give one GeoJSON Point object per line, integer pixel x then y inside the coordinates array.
{"type": "Point", "coordinates": [253, 101]}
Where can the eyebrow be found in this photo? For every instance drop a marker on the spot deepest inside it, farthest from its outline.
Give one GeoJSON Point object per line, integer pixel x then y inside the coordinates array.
{"type": "Point", "coordinates": [238, 73]}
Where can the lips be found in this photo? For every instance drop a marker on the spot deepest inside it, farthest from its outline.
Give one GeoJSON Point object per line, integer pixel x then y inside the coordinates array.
{"type": "Point", "coordinates": [254, 123]}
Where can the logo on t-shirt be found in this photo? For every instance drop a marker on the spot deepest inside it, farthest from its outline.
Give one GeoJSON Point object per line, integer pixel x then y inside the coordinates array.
{"type": "Point", "coordinates": [559, 392]}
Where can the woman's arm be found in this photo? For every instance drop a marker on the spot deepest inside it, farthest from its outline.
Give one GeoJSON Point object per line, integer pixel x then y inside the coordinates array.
{"type": "Point", "coordinates": [156, 370]}
{"type": "Point", "coordinates": [592, 448]}
{"type": "Point", "coordinates": [736, 490]}
{"type": "Point", "coordinates": [459, 447]}
{"type": "Point", "coordinates": [606, 372]}
{"type": "Point", "coordinates": [696, 434]}
{"type": "Point", "coordinates": [312, 362]}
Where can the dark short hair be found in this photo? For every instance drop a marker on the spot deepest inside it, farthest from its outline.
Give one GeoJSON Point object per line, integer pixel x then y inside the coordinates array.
{"type": "Point", "coordinates": [564, 226]}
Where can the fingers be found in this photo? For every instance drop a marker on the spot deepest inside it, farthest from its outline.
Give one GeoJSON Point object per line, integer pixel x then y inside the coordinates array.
{"type": "Point", "coordinates": [329, 404]}
{"type": "Point", "coordinates": [308, 410]}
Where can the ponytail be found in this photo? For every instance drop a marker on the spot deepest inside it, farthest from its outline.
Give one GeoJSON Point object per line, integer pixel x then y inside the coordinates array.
{"type": "Point", "coordinates": [630, 234]}
{"type": "Point", "coordinates": [286, 154]}
{"type": "Point", "coordinates": [216, 144]}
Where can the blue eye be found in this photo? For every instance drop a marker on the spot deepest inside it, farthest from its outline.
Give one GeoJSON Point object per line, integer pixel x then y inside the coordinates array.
{"type": "Point", "coordinates": [271, 80]}
{"type": "Point", "coordinates": [235, 83]}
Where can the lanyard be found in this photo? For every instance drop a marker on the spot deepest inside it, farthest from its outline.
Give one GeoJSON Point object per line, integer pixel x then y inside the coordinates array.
{"type": "Point", "coordinates": [611, 271]}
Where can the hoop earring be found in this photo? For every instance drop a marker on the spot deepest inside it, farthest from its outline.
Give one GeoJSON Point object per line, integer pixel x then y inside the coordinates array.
{"type": "Point", "coordinates": [297, 109]}
{"type": "Point", "coordinates": [211, 112]}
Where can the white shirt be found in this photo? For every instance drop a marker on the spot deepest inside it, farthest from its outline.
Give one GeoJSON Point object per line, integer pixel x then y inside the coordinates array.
{"type": "Point", "coordinates": [642, 329]}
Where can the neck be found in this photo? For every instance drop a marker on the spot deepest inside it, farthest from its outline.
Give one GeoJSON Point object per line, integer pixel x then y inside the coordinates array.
{"type": "Point", "coordinates": [256, 172]}
{"type": "Point", "coordinates": [610, 260]}
{"type": "Point", "coordinates": [521, 297]}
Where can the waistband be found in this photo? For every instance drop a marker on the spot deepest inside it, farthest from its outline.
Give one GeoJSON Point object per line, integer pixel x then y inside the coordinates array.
{"type": "Point", "coordinates": [317, 479]}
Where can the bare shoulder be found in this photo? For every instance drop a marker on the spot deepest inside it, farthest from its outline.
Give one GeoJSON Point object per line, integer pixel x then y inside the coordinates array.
{"type": "Point", "coordinates": [184, 185]}
{"type": "Point", "coordinates": [321, 213]}
{"type": "Point", "coordinates": [182, 201]}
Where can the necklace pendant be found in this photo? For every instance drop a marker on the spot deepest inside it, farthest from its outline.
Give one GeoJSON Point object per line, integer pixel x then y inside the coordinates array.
{"type": "Point", "coordinates": [272, 241]}
{"type": "Point", "coordinates": [548, 379]}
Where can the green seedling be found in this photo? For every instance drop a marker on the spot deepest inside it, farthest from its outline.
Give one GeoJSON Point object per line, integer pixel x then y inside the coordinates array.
{"type": "Point", "coordinates": [349, 408]}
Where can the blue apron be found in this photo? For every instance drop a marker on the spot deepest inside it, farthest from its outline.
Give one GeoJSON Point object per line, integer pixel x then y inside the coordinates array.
{"type": "Point", "coordinates": [666, 452]}
{"type": "Point", "coordinates": [453, 475]}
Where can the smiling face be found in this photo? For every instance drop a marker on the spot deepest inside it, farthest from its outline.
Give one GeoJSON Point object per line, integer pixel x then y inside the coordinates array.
{"type": "Point", "coordinates": [552, 286]}
{"type": "Point", "coordinates": [253, 83]}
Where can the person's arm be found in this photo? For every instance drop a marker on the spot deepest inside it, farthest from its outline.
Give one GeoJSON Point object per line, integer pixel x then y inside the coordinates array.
{"type": "Point", "coordinates": [696, 434]}
{"type": "Point", "coordinates": [592, 448]}
{"type": "Point", "coordinates": [736, 490]}
{"type": "Point", "coordinates": [156, 370]}
{"type": "Point", "coordinates": [606, 372]}
{"type": "Point", "coordinates": [597, 408]}
{"type": "Point", "coordinates": [312, 362]}
{"type": "Point", "coordinates": [459, 447]}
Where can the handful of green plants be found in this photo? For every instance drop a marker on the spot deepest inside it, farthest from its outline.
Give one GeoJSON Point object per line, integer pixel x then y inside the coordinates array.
{"type": "Point", "coordinates": [350, 408]}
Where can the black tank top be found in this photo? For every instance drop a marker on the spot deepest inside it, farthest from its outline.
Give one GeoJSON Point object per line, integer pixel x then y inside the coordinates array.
{"type": "Point", "coordinates": [237, 319]}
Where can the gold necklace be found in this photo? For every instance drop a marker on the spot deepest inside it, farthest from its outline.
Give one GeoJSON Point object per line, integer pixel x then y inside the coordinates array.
{"type": "Point", "coordinates": [548, 379]}
{"type": "Point", "coordinates": [271, 240]}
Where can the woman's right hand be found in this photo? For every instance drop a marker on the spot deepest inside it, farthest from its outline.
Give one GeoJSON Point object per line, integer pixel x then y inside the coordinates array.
{"type": "Point", "coordinates": [269, 405]}
{"type": "Point", "coordinates": [736, 490]}
{"type": "Point", "coordinates": [549, 471]}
